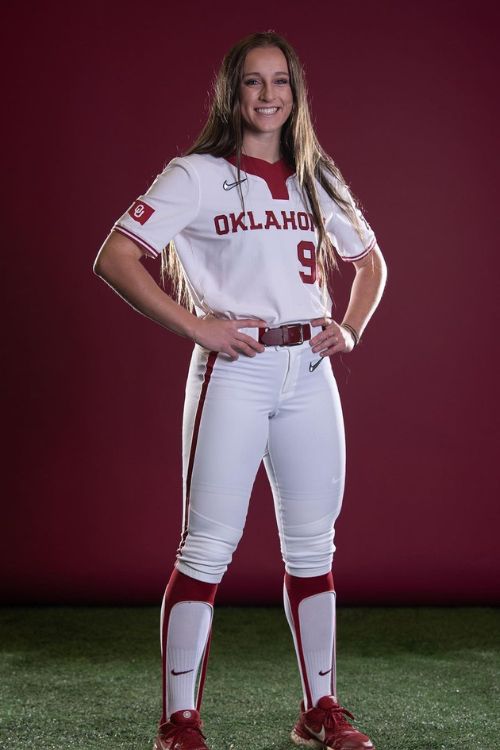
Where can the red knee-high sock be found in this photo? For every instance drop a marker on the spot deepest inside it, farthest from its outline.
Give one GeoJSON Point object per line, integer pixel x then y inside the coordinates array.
{"type": "Point", "coordinates": [183, 590]}
{"type": "Point", "coordinates": [310, 611]}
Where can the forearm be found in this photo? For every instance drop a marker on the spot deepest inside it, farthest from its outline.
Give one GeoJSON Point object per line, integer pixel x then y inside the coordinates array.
{"type": "Point", "coordinates": [133, 283]}
{"type": "Point", "coordinates": [366, 292]}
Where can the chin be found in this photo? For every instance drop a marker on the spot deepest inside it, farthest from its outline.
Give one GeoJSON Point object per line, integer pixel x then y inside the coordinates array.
{"type": "Point", "coordinates": [264, 127]}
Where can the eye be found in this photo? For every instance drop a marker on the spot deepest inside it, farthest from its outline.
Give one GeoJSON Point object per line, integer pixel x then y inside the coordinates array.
{"type": "Point", "coordinates": [282, 81]}
{"type": "Point", "coordinates": [251, 81]}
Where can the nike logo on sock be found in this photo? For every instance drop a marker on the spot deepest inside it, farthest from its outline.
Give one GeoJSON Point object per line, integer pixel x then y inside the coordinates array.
{"type": "Point", "coordinates": [186, 671]}
{"type": "Point", "coordinates": [312, 366]}
{"type": "Point", "coordinates": [230, 185]}
{"type": "Point", "coordinates": [327, 672]}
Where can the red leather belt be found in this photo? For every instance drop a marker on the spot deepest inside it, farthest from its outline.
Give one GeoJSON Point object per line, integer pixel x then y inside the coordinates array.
{"type": "Point", "coordinates": [289, 335]}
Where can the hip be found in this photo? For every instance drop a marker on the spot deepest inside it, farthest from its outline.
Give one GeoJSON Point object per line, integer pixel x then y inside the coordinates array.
{"type": "Point", "coordinates": [278, 369]}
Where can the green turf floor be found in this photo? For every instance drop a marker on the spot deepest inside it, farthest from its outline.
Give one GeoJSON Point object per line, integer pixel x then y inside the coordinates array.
{"type": "Point", "coordinates": [88, 678]}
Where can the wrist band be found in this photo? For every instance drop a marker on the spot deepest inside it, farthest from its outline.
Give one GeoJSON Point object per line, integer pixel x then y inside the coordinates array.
{"type": "Point", "coordinates": [354, 333]}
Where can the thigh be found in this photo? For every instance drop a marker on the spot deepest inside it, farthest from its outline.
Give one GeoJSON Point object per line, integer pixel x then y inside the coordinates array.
{"type": "Point", "coordinates": [225, 426]}
{"type": "Point", "coordinates": [305, 463]}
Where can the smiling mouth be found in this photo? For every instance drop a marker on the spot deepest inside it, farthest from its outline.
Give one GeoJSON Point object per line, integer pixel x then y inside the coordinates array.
{"type": "Point", "coordinates": [267, 110]}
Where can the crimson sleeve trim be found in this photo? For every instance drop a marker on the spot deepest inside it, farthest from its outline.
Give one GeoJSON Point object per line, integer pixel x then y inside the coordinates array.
{"type": "Point", "coordinates": [149, 248]}
{"type": "Point", "coordinates": [361, 255]}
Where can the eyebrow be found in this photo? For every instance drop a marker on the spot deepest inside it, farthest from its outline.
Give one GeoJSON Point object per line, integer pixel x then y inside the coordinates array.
{"type": "Point", "coordinates": [278, 73]}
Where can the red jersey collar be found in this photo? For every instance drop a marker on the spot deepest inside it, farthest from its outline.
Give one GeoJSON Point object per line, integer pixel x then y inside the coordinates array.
{"type": "Point", "coordinates": [275, 174]}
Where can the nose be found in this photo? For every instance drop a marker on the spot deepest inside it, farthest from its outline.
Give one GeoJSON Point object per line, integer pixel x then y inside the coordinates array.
{"type": "Point", "coordinates": [265, 92]}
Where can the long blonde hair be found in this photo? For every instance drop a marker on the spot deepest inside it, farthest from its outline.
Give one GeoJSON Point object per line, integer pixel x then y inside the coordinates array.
{"type": "Point", "coordinates": [222, 135]}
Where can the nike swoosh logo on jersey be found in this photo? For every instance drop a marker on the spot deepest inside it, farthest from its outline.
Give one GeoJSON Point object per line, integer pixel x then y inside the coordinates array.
{"type": "Point", "coordinates": [230, 185]}
{"type": "Point", "coordinates": [186, 671]}
{"type": "Point", "coordinates": [312, 366]}
{"type": "Point", "coordinates": [327, 672]}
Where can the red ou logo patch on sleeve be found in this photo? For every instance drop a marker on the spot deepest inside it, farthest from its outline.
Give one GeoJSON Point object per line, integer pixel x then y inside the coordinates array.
{"type": "Point", "coordinates": [140, 211]}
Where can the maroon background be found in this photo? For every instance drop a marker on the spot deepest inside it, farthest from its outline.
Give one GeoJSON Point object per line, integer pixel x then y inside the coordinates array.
{"type": "Point", "coordinates": [98, 99]}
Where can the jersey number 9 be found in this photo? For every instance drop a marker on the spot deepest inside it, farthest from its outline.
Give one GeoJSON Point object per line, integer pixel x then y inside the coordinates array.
{"type": "Point", "coordinates": [307, 255]}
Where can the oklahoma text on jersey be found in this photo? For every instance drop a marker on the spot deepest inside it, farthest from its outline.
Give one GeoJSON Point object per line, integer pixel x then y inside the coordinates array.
{"type": "Point", "coordinates": [227, 223]}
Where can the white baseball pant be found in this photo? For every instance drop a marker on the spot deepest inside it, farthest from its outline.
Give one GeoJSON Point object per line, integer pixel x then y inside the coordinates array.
{"type": "Point", "coordinates": [270, 407]}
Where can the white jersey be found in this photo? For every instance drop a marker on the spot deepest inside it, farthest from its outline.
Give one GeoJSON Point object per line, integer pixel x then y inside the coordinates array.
{"type": "Point", "coordinates": [257, 263]}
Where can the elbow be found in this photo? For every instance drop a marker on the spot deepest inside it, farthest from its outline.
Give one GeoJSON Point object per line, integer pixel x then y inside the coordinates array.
{"type": "Point", "coordinates": [98, 268]}
{"type": "Point", "coordinates": [102, 264]}
{"type": "Point", "coordinates": [116, 253]}
{"type": "Point", "coordinates": [103, 260]}
{"type": "Point", "coordinates": [384, 272]}
{"type": "Point", "coordinates": [380, 264]}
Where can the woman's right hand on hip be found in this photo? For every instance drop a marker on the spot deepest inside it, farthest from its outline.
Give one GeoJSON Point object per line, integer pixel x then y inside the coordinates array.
{"type": "Point", "coordinates": [222, 335]}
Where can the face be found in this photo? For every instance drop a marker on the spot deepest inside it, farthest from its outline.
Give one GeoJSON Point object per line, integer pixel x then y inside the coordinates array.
{"type": "Point", "coordinates": [265, 94]}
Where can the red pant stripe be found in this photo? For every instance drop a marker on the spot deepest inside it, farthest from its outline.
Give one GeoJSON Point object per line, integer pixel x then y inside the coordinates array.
{"type": "Point", "coordinates": [196, 428]}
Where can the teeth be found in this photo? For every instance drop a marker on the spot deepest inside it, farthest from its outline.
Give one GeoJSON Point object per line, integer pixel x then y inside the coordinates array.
{"type": "Point", "coordinates": [267, 110]}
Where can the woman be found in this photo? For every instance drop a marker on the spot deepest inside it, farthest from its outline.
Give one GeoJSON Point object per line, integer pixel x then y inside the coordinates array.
{"type": "Point", "coordinates": [256, 210]}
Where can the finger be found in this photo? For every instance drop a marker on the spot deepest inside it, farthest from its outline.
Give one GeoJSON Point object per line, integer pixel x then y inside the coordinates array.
{"type": "Point", "coordinates": [251, 342]}
{"type": "Point", "coordinates": [251, 323]}
{"type": "Point", "coordinates": [329, 342]}
{"type": "Point", "coordinates": [321, 336]}
{"type": "Point", "coordinates": [336, 349]}
{"type": "Point", "coordinates": [330, 327]}
{"type": "Point", "coordinates": [319, 321]}
{"type": "Point", "coordinates": [325, 342]}
{"type": "Point", "coordinates": [246, 350]}
{"type": "Point", "coordinates": [317, 339]}
{"type": "Point", "coordinates": [231, 352]}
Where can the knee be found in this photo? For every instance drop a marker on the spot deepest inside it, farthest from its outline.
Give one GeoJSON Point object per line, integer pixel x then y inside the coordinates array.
{"type": "Point", "coordinates": [308, 550]}
{"type": "Point", "coordinates": [207, 549]}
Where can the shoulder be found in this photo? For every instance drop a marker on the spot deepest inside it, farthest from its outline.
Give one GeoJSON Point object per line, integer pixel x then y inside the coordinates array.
{"type": "Point", "coordinates": [204, 166]}
{"type": "Point", "coordinates": [335, 184]}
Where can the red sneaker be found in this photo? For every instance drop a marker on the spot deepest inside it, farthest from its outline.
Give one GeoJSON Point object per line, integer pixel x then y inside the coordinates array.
{"type": "Point", "coordinates": [182, 732]}
{"type": "Point", "coordinates": [325, 726]}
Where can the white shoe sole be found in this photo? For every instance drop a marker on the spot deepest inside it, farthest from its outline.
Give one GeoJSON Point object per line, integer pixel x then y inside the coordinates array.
{"type": "Point", "coordinates": [316, 744]}
{"type": "Point", "coordinates": [305, 743]}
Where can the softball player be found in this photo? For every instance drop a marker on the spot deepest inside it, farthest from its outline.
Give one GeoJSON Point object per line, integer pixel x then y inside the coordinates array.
{"type": "Point", "coordinates": [255, 210]}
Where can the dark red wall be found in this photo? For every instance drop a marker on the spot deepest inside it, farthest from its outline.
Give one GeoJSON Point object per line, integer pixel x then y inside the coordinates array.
{"type": "Point", "coordinates": [97, 100]}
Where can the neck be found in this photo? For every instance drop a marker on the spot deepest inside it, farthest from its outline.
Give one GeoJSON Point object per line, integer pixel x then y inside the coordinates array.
{"type": "Point", "coordinates": [262, 146]}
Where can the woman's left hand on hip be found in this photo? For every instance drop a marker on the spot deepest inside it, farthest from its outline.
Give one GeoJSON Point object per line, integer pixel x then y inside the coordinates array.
{"type": "Point", "coordinates": [332, 340]}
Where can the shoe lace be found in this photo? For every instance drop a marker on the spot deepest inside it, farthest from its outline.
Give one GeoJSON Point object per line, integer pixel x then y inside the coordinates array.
{"type": "Point", "coordinates": [334, 718]}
